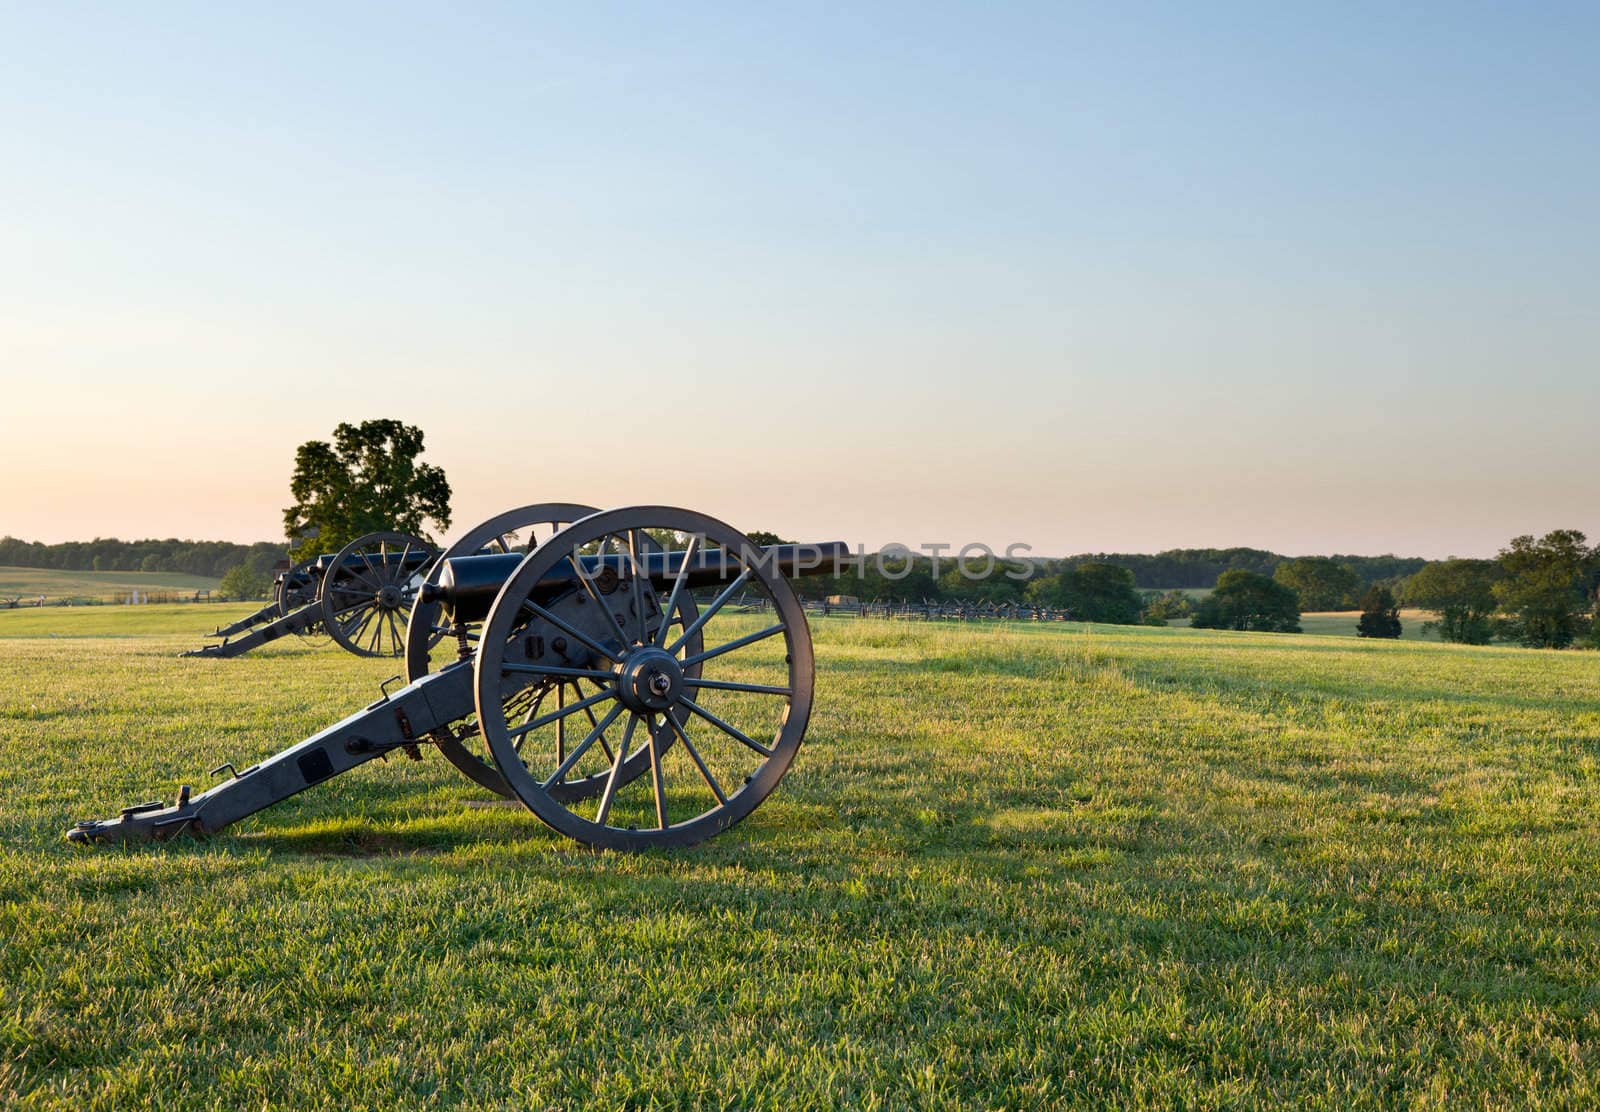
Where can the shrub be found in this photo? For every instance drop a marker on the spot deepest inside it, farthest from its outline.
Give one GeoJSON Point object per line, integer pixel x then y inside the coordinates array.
{"type": "Point", "coordinates": [1380, 616]}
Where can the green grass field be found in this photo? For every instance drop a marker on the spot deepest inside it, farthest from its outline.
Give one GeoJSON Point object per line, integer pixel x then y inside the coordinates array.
{"type": "Point", "coordinates": [1014, 867]}
{"type": "Point", "coordinates": [30, 583]}
{"type": "Point", "coordinates": [1343, 624]}
{"type": "Point", "coordinates": [1195, 593]}
{"type": "Point", "coordinates": [190, 622]}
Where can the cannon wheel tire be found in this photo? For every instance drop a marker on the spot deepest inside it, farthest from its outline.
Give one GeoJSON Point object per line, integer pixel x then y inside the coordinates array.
{"type": "Point", "coordinates": [500, 534]}
{"type": "Point", "coordinates": [299, 587]}
{"type": "Point", "coordinates": [367, 592]}
{"type": "Point", "coordinates": [737, 711]}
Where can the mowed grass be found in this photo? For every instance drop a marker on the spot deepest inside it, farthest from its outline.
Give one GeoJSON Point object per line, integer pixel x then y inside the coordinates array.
{"type": "Point", "coordinates": [1343, 623]}
{"type": "Point", "coordinates": [1196, 593]}
{"type": "Point", "coordinates": [30, 583]}
{"type": "Point", "coordinates": [182, 619]}
{"type": "Point", "coordinates": [1025, 866]}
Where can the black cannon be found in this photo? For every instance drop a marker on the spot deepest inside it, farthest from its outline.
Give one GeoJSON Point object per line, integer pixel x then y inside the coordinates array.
{"type": "Point", "coordinates": [571, 671]}
{"type": "Point", "coordinates": [360, 596]}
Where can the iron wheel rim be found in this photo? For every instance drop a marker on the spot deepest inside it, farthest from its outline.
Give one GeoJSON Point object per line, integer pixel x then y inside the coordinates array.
{"type": "Point", "coordinates": [625, 655]}
{"type": "Point", "coordinates": [356, 592]}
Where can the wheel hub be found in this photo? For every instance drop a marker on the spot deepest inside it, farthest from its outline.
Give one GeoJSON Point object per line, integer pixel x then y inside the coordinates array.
{"type": "Point", "coordinates": [649, 680]}
{"type": "Point", "coordinates": [389, 597]}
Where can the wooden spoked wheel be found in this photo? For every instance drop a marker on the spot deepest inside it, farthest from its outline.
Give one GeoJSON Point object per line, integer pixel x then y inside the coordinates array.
{"type": "Point", "coordinates": [296, 588]}
{"type": "Point", "coordinates": [719, 726]}
{"type": "Point", "coordinates": [368, 591]}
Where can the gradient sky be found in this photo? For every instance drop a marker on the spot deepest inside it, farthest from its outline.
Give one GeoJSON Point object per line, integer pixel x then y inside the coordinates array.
{"type": "Point", "coordinates": [1308, 277]}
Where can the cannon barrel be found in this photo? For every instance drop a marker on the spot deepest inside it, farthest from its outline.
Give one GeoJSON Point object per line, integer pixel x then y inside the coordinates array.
{"type": "Point", "coordinates": [468, 585]}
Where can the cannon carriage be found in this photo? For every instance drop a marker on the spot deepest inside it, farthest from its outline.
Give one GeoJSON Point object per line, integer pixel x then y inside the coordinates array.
{"type": "Point", "coordinates": [600, 677]}
{"type": "Point", "coordinates": [360, 596]}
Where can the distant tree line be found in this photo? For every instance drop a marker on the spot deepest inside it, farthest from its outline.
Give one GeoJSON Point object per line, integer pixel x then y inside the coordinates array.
{"type": "Point", "coordinates": [1127, 587]}
{"type": "Point", "coordinates": [1541, 592]}
{"type": "Point", "coordinates": [208, 558]}
{"type": "Point", "coordinates": [1202, 567]}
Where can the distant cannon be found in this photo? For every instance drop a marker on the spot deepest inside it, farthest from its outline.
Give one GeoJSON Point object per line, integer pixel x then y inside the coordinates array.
{"type": "Point", "coordinates": [579, 667]}
{"type": "Point", "coordinates": [360, 596]}
{"type": "Point", "coordinates": [293, 587]}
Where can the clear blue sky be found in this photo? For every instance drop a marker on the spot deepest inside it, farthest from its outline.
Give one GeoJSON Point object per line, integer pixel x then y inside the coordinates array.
{"type": "Point", "coordinates": [1315, 278]}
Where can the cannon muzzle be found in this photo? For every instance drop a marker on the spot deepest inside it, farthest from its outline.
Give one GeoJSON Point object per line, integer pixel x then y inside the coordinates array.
{"type": "Point", "coordinates": [468, 585]}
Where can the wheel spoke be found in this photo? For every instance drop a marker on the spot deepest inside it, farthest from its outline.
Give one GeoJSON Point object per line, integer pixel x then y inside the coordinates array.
{"type": "Point", "coordinates": [561, 725]}
{"type": "Point", "coordinates": [731, 685]}
{"type": "Point", "coordinates": [583, 747]}
{"type": "Point", "coordinates": [737, 644]}
{"type": "Point", "coordinates": [708, 612]}
{"type": "Point", "coordinates": [361, 599]}
{"type": "Point", "coordinates": [616, 769]}
{"type": "Point", "coordinates": [694, 755]}
{"type": "Point", "coordinates": [589, 712]}
{"type": "Point", "coordinates": [638, 585]}
{"type": "Point", "coordinates": [725, 727]}
{"type": "Point", "coordinates": [583, 578]}
{"type": "Point", "coordinates": [529, 604]}
{"type": "Point", "coordinates": [356, 626]}
{"type": "Point", "coordinates": [552, 670]}
{"type": "Point", "coordinates": [527, 714]}
{"type": "Point", "coordinates": [400, 573]}
{"type": "Point", "coordinates": [377, 577]}
{"type": "Point", "coordinates": [656, 781]}
{"type": "Point", "coordinates": [677, 588]}
{"type": "Point", "coordinates": [350, 571]}
{"type": "Point", "coordinates": [546, 719]}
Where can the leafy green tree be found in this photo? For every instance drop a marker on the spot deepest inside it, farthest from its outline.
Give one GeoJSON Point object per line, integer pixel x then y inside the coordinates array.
{"type": "Point", "coordinates": [1159, 609]}
{"type": "Point", "coordinates": [995, 588]}
{"type": "Point", "coordinates": [1246, 601]}
{"type": "Point", "coordinates": [1321, 582]}
{"type": "Point", "coordinates": [367, 480]}
{"type": "Point", "coordinates": [1461, 593]}
{"type": "Point", "coordinates": [902, 579]}
{"type": "Point", "coordinates": [1181, 567]}
{"type": "Point", "coordinates": [1043, 590]}
{"type": "Point", "coordinates": [1546, 587]}
{"type": "Point", "coordinates": [243, 582]}
{"type": "Point", "coordinates": [1095, 592]}
{"type": "Point", "coordinates": [1380, 616]}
